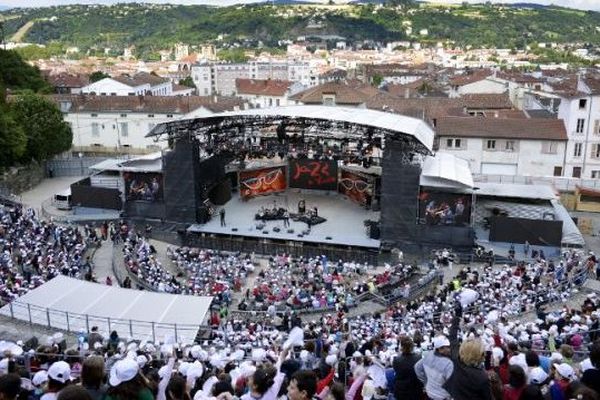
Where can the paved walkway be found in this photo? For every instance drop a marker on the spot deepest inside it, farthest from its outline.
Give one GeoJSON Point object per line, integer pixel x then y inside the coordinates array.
{"type": "Point", "coordinates": [102, 261]}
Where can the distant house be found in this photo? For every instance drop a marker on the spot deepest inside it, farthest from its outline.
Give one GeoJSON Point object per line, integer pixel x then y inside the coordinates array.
{"type": "Point", "coordinates": [262, 93]}
{"type": "Point", "coordinates": [64, 83]}
{"type": "Point", "coordinates": [105, 124]}
{"type": "Point", "coordinates": [344, 93]}
{"type": "Point", "coordinates": [141, 83]}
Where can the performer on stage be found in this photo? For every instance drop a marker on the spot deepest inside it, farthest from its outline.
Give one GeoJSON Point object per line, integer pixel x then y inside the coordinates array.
{"type": "Point", "coordinates": [301, 207]}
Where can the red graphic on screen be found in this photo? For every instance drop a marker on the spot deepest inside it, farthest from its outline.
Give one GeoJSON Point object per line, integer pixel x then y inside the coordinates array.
{"type": "Point", "coordinates": [357, 187]}
{"type": "Point", "coordinates": [312, 174]}
{"type": "Point", "coordinates": [262, 181]}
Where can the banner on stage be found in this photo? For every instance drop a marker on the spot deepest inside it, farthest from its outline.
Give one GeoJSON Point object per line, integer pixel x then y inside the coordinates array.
{"type": "Point", "coordinates": [441, 208]}
{"type": "Point", "coordinates": [313, 174]}
{"type": "Point", "coordinates": [260, 182]}
{"type": "Point", "coordinates": [143, 186]}
{"type": "Point", "coordinates": [358, 187]}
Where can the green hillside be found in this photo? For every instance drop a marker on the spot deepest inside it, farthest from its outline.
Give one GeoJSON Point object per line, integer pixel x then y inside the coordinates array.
{"type": "Point", "coordinates": [153, 27]}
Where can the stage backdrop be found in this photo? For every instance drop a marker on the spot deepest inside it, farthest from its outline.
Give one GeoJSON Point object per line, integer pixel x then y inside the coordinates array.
{"type": "Point", "coordinates": [313, 174]}
{"type": "Point", "coordinates": [358, 187]}
{"type": "Point", "coordinates": [441, 208]}
{"type": "Point", "coordinates": [263, 181]}
{"type": "Point", "coordinates": [143, 186]}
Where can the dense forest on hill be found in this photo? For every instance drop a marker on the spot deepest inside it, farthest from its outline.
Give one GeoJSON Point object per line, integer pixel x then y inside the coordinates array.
{"type": "Point", "coordinates": [151, 26]}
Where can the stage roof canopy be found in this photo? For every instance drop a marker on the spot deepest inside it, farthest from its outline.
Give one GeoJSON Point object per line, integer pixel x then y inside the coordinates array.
{"type": "Point", "coordinates": [389, 124]}
{"type": "Point", "coordinates": [134, 312]}
{"type": "Point", "coordinates": [446, 171]}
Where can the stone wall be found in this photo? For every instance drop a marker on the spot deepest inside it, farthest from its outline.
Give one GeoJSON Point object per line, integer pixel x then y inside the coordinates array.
{"type": "Point", "coordinates": [17, 180]}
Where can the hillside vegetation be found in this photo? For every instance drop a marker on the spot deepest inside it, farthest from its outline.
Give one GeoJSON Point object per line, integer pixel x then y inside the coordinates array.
{"type": "Point", "coordinates": [152, 27]}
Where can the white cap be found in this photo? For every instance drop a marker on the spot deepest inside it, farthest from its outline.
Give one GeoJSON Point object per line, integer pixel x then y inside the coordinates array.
{"type": "Point", "coordinates": [40, 378]}
{"type": "Point", "coordinates": [60, 371]}
{"type": "Point", "coordinates": [440, 341]}
{"type": "Point", "coordinates": [123, 371]}
{"type": "Point", "coordinates": [141, 360]}
{"type": "Point", "coordinates": [566, 371]}
{"type": "Point", "coordinates": [537, 376]}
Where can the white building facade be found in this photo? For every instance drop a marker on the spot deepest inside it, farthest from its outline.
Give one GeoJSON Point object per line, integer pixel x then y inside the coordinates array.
{"type": "Point", "coordinates": [220, 79]}
{"type": "Point", "coordinates": [497, 146]}
{"type": "Point", "coordinates": [121, 123]}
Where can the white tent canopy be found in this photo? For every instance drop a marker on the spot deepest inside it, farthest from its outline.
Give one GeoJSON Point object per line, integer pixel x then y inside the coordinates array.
{"type": "Point", "coordinates": [72, 304]}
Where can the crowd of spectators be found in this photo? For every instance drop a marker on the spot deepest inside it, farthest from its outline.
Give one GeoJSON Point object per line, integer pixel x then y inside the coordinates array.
{"type": "Point", "coordinates": [212, 272]}
{"type": "Point", "coordinates": [33, 251]}
{"type": "Point", "coordinates": [462, 342]}
{"type": "Point", "coordinates": [290, 283]}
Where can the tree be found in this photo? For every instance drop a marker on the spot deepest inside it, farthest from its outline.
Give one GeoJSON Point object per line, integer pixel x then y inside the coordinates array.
{"type": "Point", "coordinates": [376, 80]}
{"type": "Point", "coordinates": [13, 141]}
{"type": "Point", "coordinates": [237, 55]}
{"type": "Point", "coordinates": [188, 81]}
{"type": "Point", "coordinates": [41, 120]}
{"type": "Point", "coordinates": [97, 76]}
{"type": "Point", "coordinates": [15, 74]}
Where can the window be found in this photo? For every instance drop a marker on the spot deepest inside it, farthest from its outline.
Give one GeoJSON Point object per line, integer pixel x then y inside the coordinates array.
{"type": "Point", "coordinates": [277, 102]}
{"type": "Point", "coordinates": [557, 171]}
{"type": "Point", "coordinates": [577, 150]}
{"type": "Point", "coordinates": [509, 145]}
{"type": "Point", "coordinates": [150, 115]}
{"type": "Point", "coordinates": [169, 115]}
{"type": "Point", "coordinates": [596, 174]}
{"type": "Point", "coordinates": [95, 129]}
{"type": "Point", "coordinates": [94, 115]}
{"type": "Point", "coordinates": [549, 147]}
{"type": "Point", "coordinates": [124, 129]}
{"type": "Point", "coordinates": [580, 125]}
{"type": "Point", "coordinates": [113, 94]}
{"type": "Point", "coordinates": [595, 151]}
{"type": "Point", "coordinates": [596, 127]}
{"type": "Point", "coordinates": [123, 115]}
{"type": "Point", "coordinates": [582, 103]}
{"type": "Point", "coordinates": [576, 172]}
{"type": "Point", "coordinates": [491, 145]}
{"type": "Point", "coordinates": [453, 143]}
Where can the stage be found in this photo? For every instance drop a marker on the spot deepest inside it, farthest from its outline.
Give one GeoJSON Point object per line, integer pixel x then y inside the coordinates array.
{"type": "Point", "coordinates": [344, 225]}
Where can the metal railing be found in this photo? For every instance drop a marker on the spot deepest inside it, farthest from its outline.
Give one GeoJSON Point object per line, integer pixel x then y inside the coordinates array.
{"type": "Point", "coordinates": [565, 184]}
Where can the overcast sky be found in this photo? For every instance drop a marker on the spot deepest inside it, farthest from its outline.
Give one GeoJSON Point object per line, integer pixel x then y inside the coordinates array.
{"type": "Point", "coordinates": [582, 4]}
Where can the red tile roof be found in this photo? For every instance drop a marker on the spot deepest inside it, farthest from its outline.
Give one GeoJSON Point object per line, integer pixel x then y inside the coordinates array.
{"type": "Point", "coordinates": [149, 104]}
{"type": "Point", "coordinates": [482, 101]}
{"type": "Point", "coordinates": [502, 128]}
{"type": "Point", "coordinates": [141, 78]}
{"type": "Point", "coordinates": [64, 80]}
{"type": "Point", "coordinates": [262, 87]}
{"type": "Point", "coordinates": [346, 92]}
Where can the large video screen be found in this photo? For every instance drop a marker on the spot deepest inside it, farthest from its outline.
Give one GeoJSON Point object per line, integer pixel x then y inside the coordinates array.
{"type": "Point", "coordinates": [441, 208]}
{"type": "Point", "coordinates": [263, 181]}
{"type": "Point", "coordinates": [143, 186]}
{"type": "Point", "coordinates": [313, 174]}
{"type": "Point", "coordinates": [358, 187]}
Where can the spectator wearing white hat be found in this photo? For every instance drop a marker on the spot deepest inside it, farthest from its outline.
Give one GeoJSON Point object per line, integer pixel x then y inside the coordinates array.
{"type": "Point", "coordinates": [564, 376]}
{"type": "Point", "coordinates": [435, 368]}
{"type": "Point", "coordinates": [126, 383]}
{"type": "Point", "coordinates": [59, 376]}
